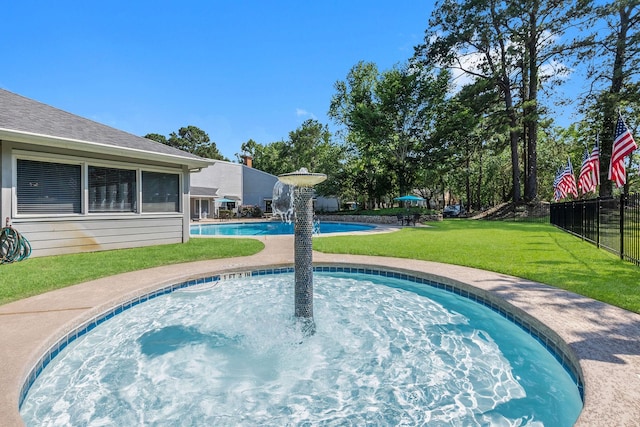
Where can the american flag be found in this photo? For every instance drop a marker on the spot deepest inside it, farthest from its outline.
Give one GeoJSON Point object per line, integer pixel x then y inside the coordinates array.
{"type": "Point", "coordinates": [585, 179]}
{"type": "Point", "coordinates": [595, 164]}
{"type": "Point", "coordinates": [565, 182]}
{"type": "Point", "coordinates": [557, 191]}
{"type": "Point", "coordinates": [623, 145]}
{"type": "Point", "coordinates": [589, 177]}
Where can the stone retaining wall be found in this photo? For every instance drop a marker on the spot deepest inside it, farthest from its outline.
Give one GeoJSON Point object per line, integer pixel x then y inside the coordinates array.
{"type": "Point", "coordinates": [374, 219]}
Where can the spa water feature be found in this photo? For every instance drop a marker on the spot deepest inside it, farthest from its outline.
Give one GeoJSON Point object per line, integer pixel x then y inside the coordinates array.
{"type": "Point", "coordinates": [386, 351]}
{"type": "Point", "coordinates": [302, 182]}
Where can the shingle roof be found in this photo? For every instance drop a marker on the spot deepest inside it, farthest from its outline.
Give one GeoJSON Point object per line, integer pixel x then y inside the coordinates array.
{"type": "Point", "coordinates": [203, 191]}
{"type": "Point", "coordinates": [21, 114]}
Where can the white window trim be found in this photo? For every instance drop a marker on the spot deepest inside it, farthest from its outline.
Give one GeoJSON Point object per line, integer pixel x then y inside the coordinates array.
{"type": "Point", "coordinates": [84, 165]}
{"type": "Point", "coordinates": [180, 186]}
{"type": "Point", "coordinates": [37, 157]}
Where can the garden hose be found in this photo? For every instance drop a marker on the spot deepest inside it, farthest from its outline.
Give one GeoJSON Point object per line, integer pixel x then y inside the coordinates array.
{"type": "Point", "coordinates": [13, 245]}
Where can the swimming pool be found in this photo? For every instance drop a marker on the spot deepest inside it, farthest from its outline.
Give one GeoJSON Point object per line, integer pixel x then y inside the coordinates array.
{"type": "Point", "coordinates": [270, 228]}
{"type": "Point", "coordinates": [389, 349]}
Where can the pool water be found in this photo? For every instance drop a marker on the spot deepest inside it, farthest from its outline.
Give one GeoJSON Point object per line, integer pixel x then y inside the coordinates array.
{"type": "Point", "coordinates": [386, 352]}
{"type": "Point", "coordinates": [270, 228]}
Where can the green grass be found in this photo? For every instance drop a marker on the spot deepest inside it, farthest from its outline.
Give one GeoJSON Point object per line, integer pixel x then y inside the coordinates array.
{"type": "Point", "coordinates": [539, 252]}
{"type": "Point", "coordinates": [37, 275]}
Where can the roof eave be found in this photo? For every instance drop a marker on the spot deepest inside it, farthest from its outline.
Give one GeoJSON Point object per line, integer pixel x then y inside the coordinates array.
{"type": "Point", "coordinates": [94, 147]}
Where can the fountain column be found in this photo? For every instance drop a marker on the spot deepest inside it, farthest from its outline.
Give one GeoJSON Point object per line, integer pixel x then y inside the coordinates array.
{"type": "Point", "coordinates": [303, 182]}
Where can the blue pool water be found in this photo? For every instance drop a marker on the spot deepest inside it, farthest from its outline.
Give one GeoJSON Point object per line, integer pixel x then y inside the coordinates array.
{"type": "Point", "coordinates": [269, 228]}
{"type": "Point", "coordinates": [386, 351]}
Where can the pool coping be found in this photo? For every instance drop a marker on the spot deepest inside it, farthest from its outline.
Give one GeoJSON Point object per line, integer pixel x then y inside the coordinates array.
{"type": "Point", "coordinates": [601, 338]}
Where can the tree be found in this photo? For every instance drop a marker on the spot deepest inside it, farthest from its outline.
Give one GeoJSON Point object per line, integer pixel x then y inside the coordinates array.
{"type": "Point", "coordinates": [540, 26]}
{"type": "Point", "coordinates": [157, 138]}
{"type": "Point", "coordinates": [190, 139]}
{"type": "Point", "coordinates": [308, 143]}
{"type": "Point", "coordinates": [274, 158]}
{"type": "Point", "coordinates": [614, 77]}
{"type": "Point", "coordinates": [475, 125]}
{"type": "Point", "coordinates": [309, 146]}
{"type": "Point", "coordinates": [387, 121]}
{"type": "Point", "coordinates": [472, 37]}
{"type": "Point", "coordinates": [408, 99]}
{"type": "Point", "coordinates": [506, 44]}
{"type": "Point", "coordinates": [353, 106]}
{"type": "Point", "coordinates": [248, 148]}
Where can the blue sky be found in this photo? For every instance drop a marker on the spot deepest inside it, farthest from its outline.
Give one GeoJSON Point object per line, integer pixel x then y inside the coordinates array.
{"type": "Point", "coordinates": [235, 69]}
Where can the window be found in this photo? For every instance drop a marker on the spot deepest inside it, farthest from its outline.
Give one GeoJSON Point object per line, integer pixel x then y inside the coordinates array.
{"type": "Point", "coordinates": [60, 185]}
{"type": "Point", "coordinates": [111, 190]}
{"type": "Point", "coordinates": [48, 188]}
{"type": "Point", "coordinates": [160, 192]}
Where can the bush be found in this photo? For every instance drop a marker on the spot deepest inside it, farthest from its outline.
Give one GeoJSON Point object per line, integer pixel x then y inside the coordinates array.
{"type": "Point", "coordinates": [249, 211]}
{"type": "Point", "coordinates": [225, 214]}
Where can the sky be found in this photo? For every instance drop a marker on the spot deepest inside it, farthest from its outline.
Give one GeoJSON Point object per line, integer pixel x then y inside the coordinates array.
{"type": "Point", "coordinates": [236, 69]}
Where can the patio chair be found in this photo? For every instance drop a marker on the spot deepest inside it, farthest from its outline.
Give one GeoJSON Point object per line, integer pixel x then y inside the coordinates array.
{"type": "Point", "coordinates": [416, 218]}
{"type": "Point", "coordinates": [400, 219]}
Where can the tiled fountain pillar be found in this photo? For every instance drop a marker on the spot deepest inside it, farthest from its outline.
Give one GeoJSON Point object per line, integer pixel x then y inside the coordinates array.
{"type": "Point", "coordinates": [303, 182]}
{"type": "Point", "coordinates": [303, 229]}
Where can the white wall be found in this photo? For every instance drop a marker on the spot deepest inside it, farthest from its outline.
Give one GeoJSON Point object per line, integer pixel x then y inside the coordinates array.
{"type": "Point", "coordinates": [225, 176]}
{"type": "Point", "coordinates": [326, 204]}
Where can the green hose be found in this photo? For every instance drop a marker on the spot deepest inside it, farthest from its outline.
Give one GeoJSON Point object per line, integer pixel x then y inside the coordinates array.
{"type": "Point", "coordinates": [13, 246]}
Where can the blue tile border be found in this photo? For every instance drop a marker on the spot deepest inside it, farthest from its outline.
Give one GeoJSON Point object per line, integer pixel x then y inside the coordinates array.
{"type": "Point", "coordinates": [524, 324]}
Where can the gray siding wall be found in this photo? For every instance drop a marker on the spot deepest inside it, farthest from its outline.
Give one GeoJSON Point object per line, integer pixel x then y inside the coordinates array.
{"type": "Point", "coordinates": [57, 235]}
{"type": "Point", "coordinates": [88, 235]}
{"type": "Point", "coordinates": [327, 204]}
{"type": "Point", "coordinates": [258, 186]}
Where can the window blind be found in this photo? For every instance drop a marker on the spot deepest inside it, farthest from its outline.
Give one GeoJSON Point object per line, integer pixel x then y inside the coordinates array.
{"type": "Point", "coordinates": [111, 190]}
{"type": "Point", "coordinates": [48, 188]}
{"type": "Point", "coordinates": [160, 192]}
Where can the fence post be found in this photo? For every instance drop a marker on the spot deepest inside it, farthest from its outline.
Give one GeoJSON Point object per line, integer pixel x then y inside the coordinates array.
{"type": "Point", "coordinates": [583, 225]}
{"type": "Point", "coordinates": [598, 221]}
{"type": "Point", "coordinates": [622, 226]}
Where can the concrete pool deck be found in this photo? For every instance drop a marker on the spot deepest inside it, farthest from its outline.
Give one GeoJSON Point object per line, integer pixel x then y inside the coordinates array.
{"type": "Point", "coordinates": [603, 340]}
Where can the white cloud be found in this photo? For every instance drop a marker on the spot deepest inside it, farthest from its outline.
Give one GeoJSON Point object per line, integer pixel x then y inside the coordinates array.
{"type": "Point", "coordinates": [300, 112]}
{"type": "Point", "coordinates": [469, 62]}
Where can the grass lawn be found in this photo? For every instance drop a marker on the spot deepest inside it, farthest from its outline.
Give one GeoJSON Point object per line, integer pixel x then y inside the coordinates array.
{"type": "Point", "coordinates": [538, 252]}
{"type": "Point", "coordinates": [37, 275]}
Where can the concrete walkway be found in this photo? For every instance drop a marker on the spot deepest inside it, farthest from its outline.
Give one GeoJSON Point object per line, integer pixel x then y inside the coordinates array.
{"type": "Point", "coordinates": [604, 340]}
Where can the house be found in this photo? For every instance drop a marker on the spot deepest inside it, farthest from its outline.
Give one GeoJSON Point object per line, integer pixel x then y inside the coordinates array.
{"type": "Point", "coordinates": [233, 185]}
{"type": "Point", "coordinates": [70, 184]}
{"type": "Point", "coordinates": [226, 185]}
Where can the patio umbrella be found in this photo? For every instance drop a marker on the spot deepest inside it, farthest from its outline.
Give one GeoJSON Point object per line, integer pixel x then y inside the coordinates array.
{"type": "Point", "coordinates": [409, 198]}
{"type": "Point", "coordinates": [224, 200]}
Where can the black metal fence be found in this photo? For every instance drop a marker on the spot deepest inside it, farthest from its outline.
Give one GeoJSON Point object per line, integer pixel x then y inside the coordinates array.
{"type": "Point", "coordinates": [609, 223]}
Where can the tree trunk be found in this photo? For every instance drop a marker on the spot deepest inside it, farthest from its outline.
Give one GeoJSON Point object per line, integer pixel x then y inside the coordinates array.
{"type": "Point", "coordinates": [531, 112]}
{"type": "Point", "coordinates": [468, 184]}
{"type": "Point", "coordinates": [479, 184]}
{"type": "Point", "coordinates": [609, 120]}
